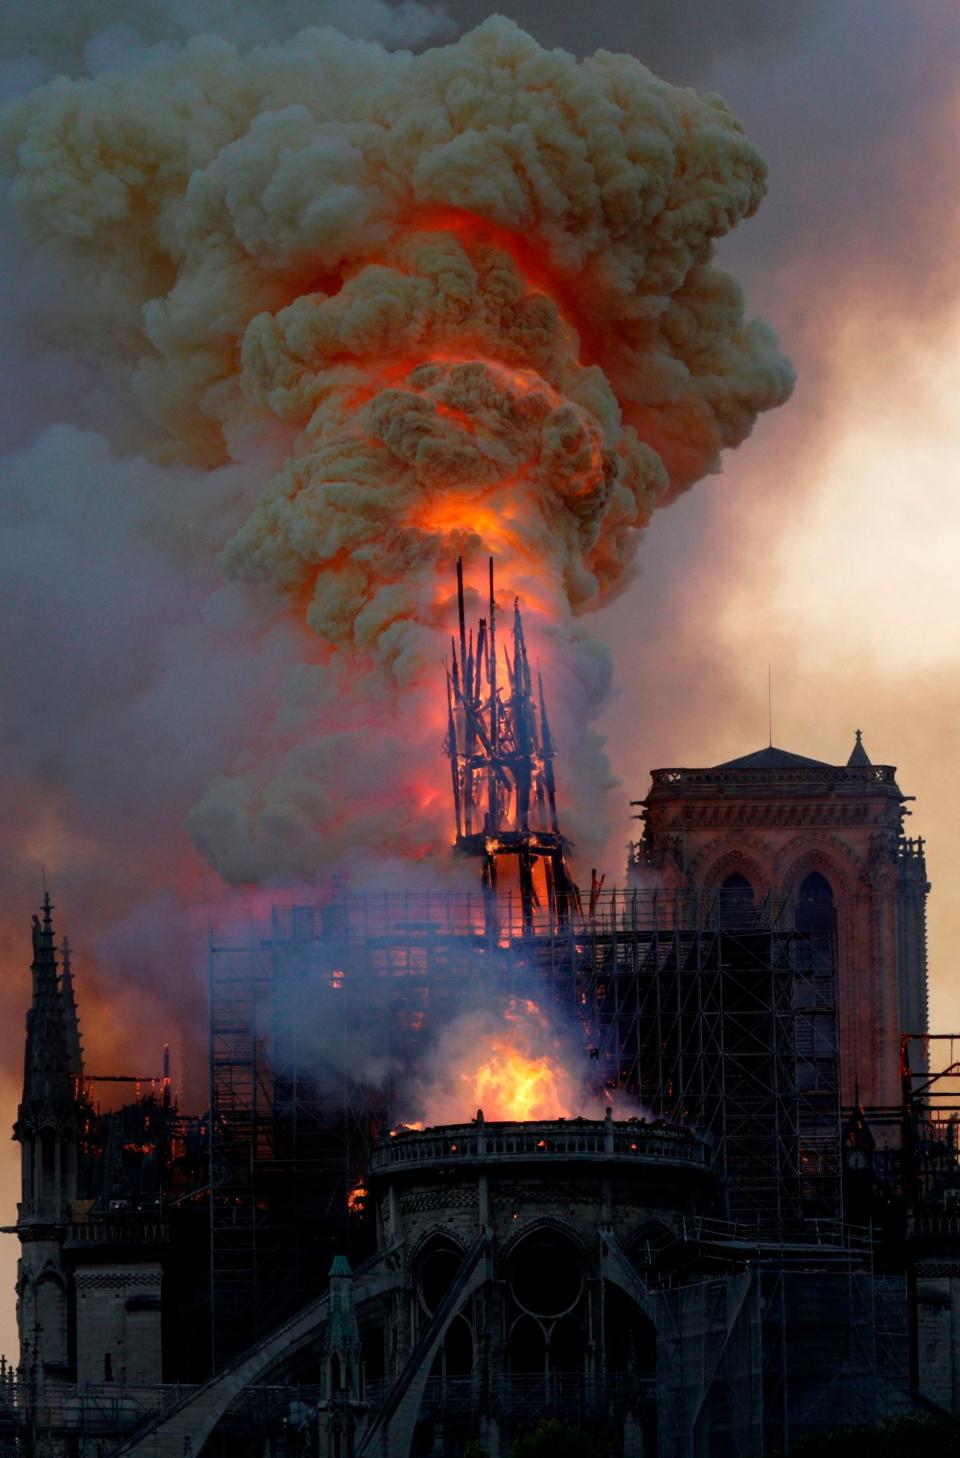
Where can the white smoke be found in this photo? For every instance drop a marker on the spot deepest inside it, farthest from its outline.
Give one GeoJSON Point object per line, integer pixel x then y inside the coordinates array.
{"type": "Point", "coordinates": [77, 37]}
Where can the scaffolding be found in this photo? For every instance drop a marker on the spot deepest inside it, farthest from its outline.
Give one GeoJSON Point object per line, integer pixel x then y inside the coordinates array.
{"type": "Point", "coordinates": [929, 1115]}
{"type": "Point", "coordinates": [722, 1016]}
{"type": "Point", "coordinates": [693, 1007]}
{"type": "Point", "coordinates": [289, 1135]}
{"type": "Point", "coordinates": [749, 1362]}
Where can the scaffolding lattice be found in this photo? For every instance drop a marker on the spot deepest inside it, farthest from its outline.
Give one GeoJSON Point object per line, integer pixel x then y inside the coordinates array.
{"type": "Point", "coordinates": [705, 1012]}
{"type": "Point", "coordinates": [726, 1019]}
{"type": "Point", "coordinates": [289, 1133]}
{"type": "Point", "coordinates": [748, 1363]}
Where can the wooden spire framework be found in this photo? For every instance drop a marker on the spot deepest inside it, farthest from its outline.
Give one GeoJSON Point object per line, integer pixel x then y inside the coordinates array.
{"type": "Point", "coordinates": [501, 761]}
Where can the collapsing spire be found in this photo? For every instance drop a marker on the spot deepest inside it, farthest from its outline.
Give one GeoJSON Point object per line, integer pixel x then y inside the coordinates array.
{"type": "Point", "coordinates": [501, 758]}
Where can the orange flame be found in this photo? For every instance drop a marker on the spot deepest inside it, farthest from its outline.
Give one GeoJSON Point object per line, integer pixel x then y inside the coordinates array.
{"type": "Point", "coordinates": [510, 1062]}
{"type": "Point", "coordinates": [510, 1085]}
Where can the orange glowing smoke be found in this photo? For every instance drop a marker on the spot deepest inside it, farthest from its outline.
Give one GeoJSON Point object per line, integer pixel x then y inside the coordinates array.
{"type": "Point", "coordinates": [474, 291]}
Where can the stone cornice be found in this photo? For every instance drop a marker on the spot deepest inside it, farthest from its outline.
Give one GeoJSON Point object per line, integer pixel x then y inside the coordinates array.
{"type": "Point", "coordinates": [859, 780]}
{"type": "Point", "coordinates": [664, 817]}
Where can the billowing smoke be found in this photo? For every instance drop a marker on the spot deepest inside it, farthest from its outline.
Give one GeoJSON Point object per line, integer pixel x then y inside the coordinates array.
{"type": "Point", "coordinates": [77, 36]}
{"type": "Point", "coordinates": [469, 296]}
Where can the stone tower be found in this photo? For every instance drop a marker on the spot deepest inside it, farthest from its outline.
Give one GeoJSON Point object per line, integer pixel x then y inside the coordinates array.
{"type": "Point", "coordinates": [831, 839]}
{"type": "Point", "coordinates": [48, 1128]}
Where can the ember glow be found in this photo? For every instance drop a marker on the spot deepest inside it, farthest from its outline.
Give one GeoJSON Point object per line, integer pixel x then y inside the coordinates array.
{"type": "Point", "coordinates": [357, 1198]}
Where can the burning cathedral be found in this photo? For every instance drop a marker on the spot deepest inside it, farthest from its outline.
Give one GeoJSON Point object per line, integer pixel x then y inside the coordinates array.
{"type": "Point", "coordinates": [680, 1177]}
{"type": "Point", "coordinates": [671, 1160]}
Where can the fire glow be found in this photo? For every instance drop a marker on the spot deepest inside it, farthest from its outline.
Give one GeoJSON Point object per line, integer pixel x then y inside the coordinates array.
{"type": "Point", "coordinates": [472, 347]}
{"type": "Point", "coordinates": [509, 1086]}
{"type": "Point", "coordinates": [511, 1063]}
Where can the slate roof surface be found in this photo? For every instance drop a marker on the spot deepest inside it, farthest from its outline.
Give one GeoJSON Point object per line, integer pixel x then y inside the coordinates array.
{"type": "Point", "coordinates": [771, 758]}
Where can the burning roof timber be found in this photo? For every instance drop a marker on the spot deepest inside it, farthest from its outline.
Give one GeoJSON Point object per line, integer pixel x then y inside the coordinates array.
{"type": "Point", "coordinates": [501, 755]}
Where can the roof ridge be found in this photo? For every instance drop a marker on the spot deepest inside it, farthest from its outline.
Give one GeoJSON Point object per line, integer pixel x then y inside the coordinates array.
{"type": "Point", "coordinates": [770, 757]}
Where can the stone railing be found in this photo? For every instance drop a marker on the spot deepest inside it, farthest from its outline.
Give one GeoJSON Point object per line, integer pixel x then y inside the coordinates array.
{"type": "Point", "coordinates": [523, 1396]}
{"type": "Point", "coordinates": [120, 1232]}
{"type": "Point", "coordinates": [927, 1225]}
{"type": "Point", "coordinates": [867, 775]}
{"type": "Point", "coordinates": [588, 1140]}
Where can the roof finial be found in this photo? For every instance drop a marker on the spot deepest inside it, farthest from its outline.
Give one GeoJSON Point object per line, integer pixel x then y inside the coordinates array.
{"type": "Point", "coordinates": [769, 706]}
{"type": "Point", "coordinates": [858, 755]}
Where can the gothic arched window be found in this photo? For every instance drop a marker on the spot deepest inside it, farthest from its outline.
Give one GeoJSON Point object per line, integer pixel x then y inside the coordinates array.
{"type": "Point", "coordinates": [457, 1351]}
{"type": "Point", "coordinates": [567, 1346]}
{"type": "Point", "coordinates": [736, 906]}
{"type": "Point", "coordinates": [816, 911]}
{"type": "Point", "coordinates": [547, 1284]}
{"type": "Point", "coordinates": [437, 1267]}
{"type": "Point", "coordinates": [528, 1346]}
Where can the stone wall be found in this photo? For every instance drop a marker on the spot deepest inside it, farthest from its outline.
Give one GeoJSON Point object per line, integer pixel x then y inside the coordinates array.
{"type": "Point", "coordinates": [118, 1323]}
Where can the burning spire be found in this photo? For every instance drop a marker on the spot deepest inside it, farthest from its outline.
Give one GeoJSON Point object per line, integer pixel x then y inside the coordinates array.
{"type": "Point", "coordinates": [501, 758]}
{"type": "Point", "coordinates": [473, 293]}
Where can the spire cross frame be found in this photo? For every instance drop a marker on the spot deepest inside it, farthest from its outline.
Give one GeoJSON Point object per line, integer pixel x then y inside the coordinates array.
{"type": "Point", "coordinates": [501, 753]}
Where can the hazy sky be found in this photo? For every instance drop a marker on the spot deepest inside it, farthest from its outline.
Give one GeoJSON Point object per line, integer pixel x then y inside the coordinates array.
{"type": "Point", "coordinates": [828, 548]}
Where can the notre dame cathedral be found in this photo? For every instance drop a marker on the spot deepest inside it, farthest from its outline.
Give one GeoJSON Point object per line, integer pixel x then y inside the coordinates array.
{"type": "Point", "coordinates": [832, 838]}
{"type": "Point", "coordinates": [771, 1199]}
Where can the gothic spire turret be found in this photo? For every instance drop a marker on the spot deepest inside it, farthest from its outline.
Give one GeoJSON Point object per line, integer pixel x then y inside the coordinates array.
{"type": "Point", "coordinates": [49, 1129]}
{"type": "Point", "coordinates": [48, 1076]}
{"type": "Point", "coordinates": [858, 755]}
{"type": "Point", "coordinates": [341, 1410]}
{"type": "Point", "coordinates": [71, 1020]}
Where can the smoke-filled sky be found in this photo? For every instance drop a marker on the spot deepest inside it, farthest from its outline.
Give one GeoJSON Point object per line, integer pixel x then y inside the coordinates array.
{"type": "Point", "coordinates": [142, 681]}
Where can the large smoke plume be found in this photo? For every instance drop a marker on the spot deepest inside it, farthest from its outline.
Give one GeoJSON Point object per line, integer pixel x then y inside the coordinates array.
{"type": "Point", "coordinates": [465, 302]}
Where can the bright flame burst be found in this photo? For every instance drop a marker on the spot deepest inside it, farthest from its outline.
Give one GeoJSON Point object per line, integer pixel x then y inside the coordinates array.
{"type": "Point", "coordinates": [510, 1085]}
{"type": "Point", "coordinates": [509, 1063]}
